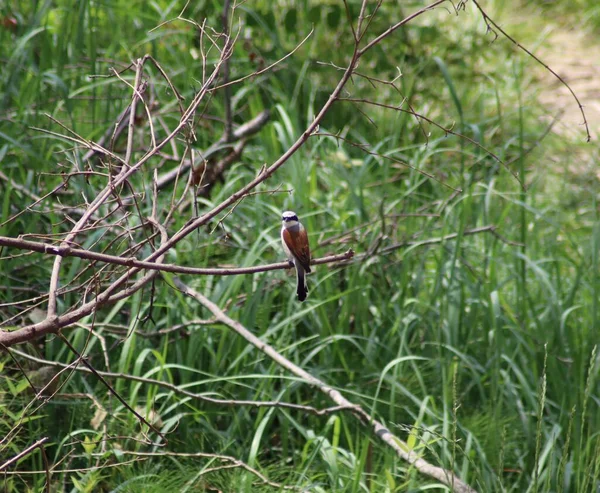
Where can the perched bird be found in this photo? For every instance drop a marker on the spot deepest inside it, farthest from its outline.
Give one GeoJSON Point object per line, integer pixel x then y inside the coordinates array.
{"type": "Point", "coordinates": [295, 244]}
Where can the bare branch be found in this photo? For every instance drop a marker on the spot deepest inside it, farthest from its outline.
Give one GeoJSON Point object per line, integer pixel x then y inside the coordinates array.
{"type": "Point", "coordinates": [398, 25]}
{"type": "Point", "coordinates": [228, 134]}
{"type": "Point", "coordinates": [246, 130]}
{"type": "Point", "coordinates": [489, 21]}
{"type": "Point", "coordinates": [400, 447]}
{"type": "Point", "coordinates": [66, 251]}
{"type": "Point", "coordinates": [125, 173]}
{"type": "Point", "coordinates": [433, 241]}
{"type": "Point", "coordinates": [23, 453]}
{"type": "Point", "coordinates": [184, 392]}
{"type": "Point", "coordinates": [54, 322]}
{"type": "Point", "coordinates": [139, 66]}
{"type": "Point", "coordinates": [441, 127]}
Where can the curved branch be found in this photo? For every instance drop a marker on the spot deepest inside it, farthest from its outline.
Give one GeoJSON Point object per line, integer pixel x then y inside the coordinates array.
{"type": "Point", "coordinates": [488, 20]}
{"type": "Point", "coordinates": [110, 295]}
{"type": "Point", "coordinates": [396, 26]}
{"type": "Point", "coordinates": [441, 127]}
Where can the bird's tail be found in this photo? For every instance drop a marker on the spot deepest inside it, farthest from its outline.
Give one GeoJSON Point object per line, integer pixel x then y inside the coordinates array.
{"type": "Point", "coordinates": [302, 289]}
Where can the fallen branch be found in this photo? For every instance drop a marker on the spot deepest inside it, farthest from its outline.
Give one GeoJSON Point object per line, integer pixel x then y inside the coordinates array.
{"type": "Point", "coordinates": [400, 447]}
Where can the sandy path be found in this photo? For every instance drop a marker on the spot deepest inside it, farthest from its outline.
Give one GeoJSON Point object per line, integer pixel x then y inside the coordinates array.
{"type": "Point", "coordinates": [575, 56]}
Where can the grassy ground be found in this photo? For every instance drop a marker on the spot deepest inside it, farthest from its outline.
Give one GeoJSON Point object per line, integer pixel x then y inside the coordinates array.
{"type": "Point", "coordinates": [478, 349]}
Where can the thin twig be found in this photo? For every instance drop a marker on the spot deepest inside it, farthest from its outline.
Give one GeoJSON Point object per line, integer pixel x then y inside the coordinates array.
{"type": "Point", "coordinates": [398, 25]}
{"type": "Point", "coordinates": [23, 453]}
{"type": "Point", "coordinates": [115, 393]}
{"type": "Point", "coordinates": [183, 392]}
{"type": "Point", "coordinates": [488, 20]}
{"type": "Point", "coordinates": [205, 455]}
{"type": "Point", "coordinates": [78, 470]}
{"type": "Point", "coordinates": [228, 134]}
{"type": "Point", "coordinates": [434, 241]}
{"type": "Point", "coordinates": [246, 130]}
{"type": "Point", "coordinates": [139, 67]}
{"type": "Point", "coordinates": [441, 127]}
{"type": "Point", "coordinates": [125, 173]}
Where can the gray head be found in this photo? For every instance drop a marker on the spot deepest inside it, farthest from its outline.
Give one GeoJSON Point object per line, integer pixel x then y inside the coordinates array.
{"type": "Point", "coordinates": [289, 219]}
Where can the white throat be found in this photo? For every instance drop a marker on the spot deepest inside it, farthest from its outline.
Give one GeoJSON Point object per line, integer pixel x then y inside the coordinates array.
{"type": "Point", "coordinates": [290, 224]}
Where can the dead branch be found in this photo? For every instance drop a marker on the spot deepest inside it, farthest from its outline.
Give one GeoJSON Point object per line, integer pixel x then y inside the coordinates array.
{"type": "Point", "coordinates": [447, 130]}
{"type": "Point", "coordinates": [399, 446]}
{"type": "Point", "coordinates": [183, 392]}
{"type": "Point", "coordinates": [67, 251]}
{"type": "Point", "coordinates": [23, 453]}
{"type": "Point", "coordinates": [242, 132]}
{"type": "Point", "coordinates": [491, 25]}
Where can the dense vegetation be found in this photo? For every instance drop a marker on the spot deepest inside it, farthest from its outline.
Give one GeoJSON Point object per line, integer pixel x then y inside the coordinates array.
{"type": "Point", "coordinates": [467, 323]}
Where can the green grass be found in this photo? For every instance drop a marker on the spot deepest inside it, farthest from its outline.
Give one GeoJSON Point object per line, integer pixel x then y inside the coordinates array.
{"type": "Point", "coordinates": [479, 351]}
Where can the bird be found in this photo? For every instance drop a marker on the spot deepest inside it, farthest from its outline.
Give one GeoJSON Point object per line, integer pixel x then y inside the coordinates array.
{"type": "Point", "coordinates": [295, 245]}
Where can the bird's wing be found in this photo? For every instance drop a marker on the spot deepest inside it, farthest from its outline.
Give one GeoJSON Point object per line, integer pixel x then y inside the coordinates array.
{"type": "Point", "coordinates": [298, 245]}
